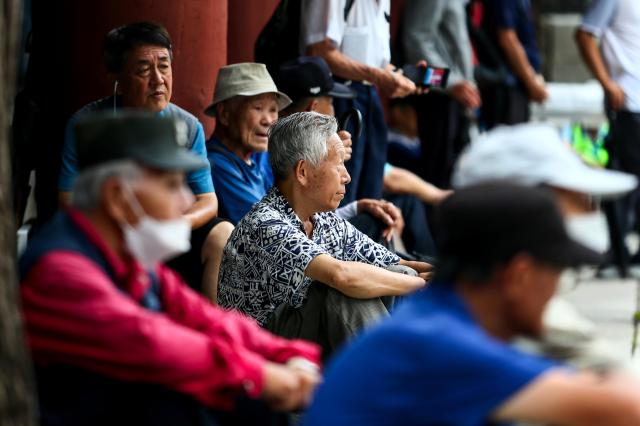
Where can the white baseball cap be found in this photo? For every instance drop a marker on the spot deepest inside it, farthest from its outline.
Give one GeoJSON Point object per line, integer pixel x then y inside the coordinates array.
{"type": "Point", "coordinates": [534, 154]}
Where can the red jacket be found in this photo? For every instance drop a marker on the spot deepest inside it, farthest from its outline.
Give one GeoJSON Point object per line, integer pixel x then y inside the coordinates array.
{"type": "Point", "coordinates": [76, 315]}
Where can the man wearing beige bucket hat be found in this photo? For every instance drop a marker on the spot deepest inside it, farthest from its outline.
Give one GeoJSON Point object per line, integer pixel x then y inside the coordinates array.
{"type": "Point", "coordinates": [246, 103]}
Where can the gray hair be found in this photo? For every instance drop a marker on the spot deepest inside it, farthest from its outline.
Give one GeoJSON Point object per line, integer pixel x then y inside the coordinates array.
{"type": "Point", "coordinates": [88, 185]}
{"type": "Point", "coordinates": [299, 136]}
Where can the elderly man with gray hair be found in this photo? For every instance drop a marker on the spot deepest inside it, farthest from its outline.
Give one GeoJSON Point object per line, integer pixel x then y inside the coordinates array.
{"type": "Point", "coordinates": [292, 238]}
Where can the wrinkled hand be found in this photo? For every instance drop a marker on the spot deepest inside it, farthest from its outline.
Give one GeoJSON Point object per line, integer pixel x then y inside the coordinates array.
{"type": "Point", "coordinates": [288, 388]}
{"type": "Point", "coordinates": [537, 90]}
{"type": "Point", "coordinates": [393, 84]}
{"type": "Point", "coordinates": [345, 137]}
{"type": "Point", "coordinates": [614, 95]}
{"type": "Point", "coordinates": [385, 211]}
{"type": "Point", "coordinates": [466, 93]}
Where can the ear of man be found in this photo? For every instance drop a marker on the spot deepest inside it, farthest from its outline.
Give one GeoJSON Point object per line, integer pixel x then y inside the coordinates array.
{"type": "Point", "coordinates": [312, 106]}
{"type": "Point", "coordinates": [222, 114]}
{"type": "Point", "coordinates": [115, 202]}
{"type": "Point", "coordinates": [514, 276]}
{"type": "Point", "coordinates": [302, 172]}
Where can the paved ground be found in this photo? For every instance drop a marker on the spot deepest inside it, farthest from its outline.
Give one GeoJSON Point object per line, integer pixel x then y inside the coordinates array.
{"type": "Point", "coordinates": [610, 305]}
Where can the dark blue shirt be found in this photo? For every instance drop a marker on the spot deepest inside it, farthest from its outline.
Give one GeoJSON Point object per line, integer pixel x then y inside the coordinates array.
{"type": "Point", "coordinates": [516, 15]}
{"type": "Point", "coordinates": [238, 185]}
{"type": "Point", "coordinates": [429, 364]}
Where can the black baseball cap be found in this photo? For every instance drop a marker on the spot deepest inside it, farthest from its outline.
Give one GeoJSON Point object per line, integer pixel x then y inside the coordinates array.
{"type": "Point", "coordinates": [150, 140]}
{"type": "Point", "coordinates": [488, 224]}
{"type": "Point", "coordinates": [310, 76]}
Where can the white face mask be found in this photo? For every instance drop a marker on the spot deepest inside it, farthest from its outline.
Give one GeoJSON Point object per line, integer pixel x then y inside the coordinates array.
{"type": "Point", "coordinates": [151, 241]}
{"type": "Point", "coordinates": [590, 230]}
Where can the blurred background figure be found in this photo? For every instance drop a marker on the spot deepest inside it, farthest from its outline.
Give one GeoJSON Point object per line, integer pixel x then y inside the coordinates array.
{"type": "Point", "coordinates": [534, 155]}
{"type": "Point", "coordinates": [436, 30]}
{"type": "Point", "coordinates": [609, 40]}
{"type": "Point", "coordinates": [509, 25]}
{"type": "Point", "coordinates": [354, 41]}
{"type": "Point", "coordinates": [444, 357]}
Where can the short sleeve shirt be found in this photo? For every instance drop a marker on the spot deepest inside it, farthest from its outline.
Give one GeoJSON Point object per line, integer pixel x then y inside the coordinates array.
{"type": "Point", "coordinates": [617, 23]}
{"type": "Point", "coordinates": [198, 180]}
{"type": "Point", "coordinates": [433, 365]}
{"type": "Point", "coordinates": [239, 185]}
{"type": "Point", "coordinates": [516, 15]}
{"type": "Point", "coordinates": [363, 36]}
{"type": "Point", "coordinates": [264, 261]}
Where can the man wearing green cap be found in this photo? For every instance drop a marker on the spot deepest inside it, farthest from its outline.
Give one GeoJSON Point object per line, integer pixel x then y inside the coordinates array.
{"type": "Point", "coordinates": [117, 337]}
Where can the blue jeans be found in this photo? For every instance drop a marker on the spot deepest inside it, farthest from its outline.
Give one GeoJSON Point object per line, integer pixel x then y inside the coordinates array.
{"type": "Point", "coordinates": [366, 166]}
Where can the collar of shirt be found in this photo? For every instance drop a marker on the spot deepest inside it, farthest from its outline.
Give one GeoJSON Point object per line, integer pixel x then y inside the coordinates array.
{"type": "Point", "coordinates": [443, 295]}
{"type": "Point", "coordinates": [275, 198]}
{"type": "Point", "coordinates": [129, 272]}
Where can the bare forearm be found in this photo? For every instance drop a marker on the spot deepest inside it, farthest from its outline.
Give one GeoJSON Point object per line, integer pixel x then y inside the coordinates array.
{"type": "Point", "coordinates": [340, 64]}
{"type": "Point", "coordinates": [516, 56]}
{"type": "Point", "coordinates": [591, 55]}
{"type": "Point", "coordinates": [203, 210]}
{"type": "Point", "coordinates": [401, 181]}
{"type": "Point", "coordinates": [364, 281]}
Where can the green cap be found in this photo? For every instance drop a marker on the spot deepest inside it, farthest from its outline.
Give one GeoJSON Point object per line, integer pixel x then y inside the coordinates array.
{"type": "Point", "coordinates": [150, 140]}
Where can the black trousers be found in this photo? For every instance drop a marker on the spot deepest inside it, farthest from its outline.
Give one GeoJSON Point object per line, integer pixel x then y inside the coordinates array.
{"type": "Point", "coordinates": [503, 104]}
{"type": "Point", "coordinates": [623, 145]}
{"type": "Point", "coordinates": [443, 128]}
{"type": "Point", "coordinates": [70, 396]}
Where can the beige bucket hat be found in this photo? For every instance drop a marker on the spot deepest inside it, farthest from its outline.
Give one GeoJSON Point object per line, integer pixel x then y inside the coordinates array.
{"type": "Point", "coordinates": [245, 79]}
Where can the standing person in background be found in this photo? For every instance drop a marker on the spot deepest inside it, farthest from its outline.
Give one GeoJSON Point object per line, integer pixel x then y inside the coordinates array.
{"type": "Point", "coordinates": [509, 25]}
{"type": "Point", "coordinates": [616, 65]}
{"type": "Point", "coordinates": [353, 37]}
{"type": "Point", "coordinates": [436, 30]}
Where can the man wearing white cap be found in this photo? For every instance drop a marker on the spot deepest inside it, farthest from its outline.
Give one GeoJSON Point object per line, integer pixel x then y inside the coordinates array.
{"type": "Point", "coordinates": [534, 154]}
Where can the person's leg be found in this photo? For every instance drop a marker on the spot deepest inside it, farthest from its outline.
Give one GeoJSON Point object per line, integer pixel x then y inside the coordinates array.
{"type": "Point", "coordinates": [517, 110]}
{"type": "Point", "coordinates": [624, 149]}
{"type": "Point", "coordinates": [416, 235]}
{"type": "Point", "coordinates": [251, 412]}
{"type": "Point", "coordinates": [197, 269]}
{"type": "Point", "coordinates": [369, 226]}
{"type": "Point", "coordinates": [211, 256]}
{"type": "Point", "coordinates": [444, 132]}
{"type": "Point", "coordinates": [375, 156]}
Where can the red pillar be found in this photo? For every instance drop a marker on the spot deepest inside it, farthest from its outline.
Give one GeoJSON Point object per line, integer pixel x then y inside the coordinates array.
{"type": "Point", "coordinates": [198, 29]}
{"type": "Point", "coordinates": [246, 20]}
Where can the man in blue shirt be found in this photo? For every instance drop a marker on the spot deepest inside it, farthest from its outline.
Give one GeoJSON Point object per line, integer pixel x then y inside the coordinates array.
{"type": "Point", "coordinates": [246, 103]}
{"type": "Point", "coordinates": [443, 357]}
{"type": "Point", "coordinates": [138, 58]}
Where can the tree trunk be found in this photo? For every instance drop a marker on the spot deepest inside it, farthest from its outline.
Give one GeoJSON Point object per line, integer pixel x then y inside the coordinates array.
{"type": "Point", "coordinates": [17, 406]}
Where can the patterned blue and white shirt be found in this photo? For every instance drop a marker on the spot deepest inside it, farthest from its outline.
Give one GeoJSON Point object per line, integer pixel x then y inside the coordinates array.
{"type": "Point", "coordinates": [265, 258]}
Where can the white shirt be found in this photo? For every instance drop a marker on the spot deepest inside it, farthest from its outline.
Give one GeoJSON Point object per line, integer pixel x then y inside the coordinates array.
{"type": "Point", "coordinates": [617, 23]}
{"type": "Point", "coordinates": [363, 37]}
